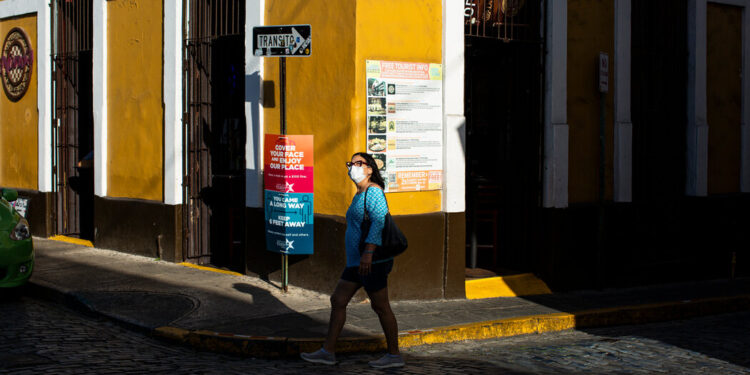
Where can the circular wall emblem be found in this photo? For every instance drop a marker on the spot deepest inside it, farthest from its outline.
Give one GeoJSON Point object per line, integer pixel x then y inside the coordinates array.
{"type": "Point", "coordinates": [16, 64]}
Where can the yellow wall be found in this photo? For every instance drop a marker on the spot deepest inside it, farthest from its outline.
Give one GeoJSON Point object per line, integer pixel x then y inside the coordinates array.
{"type": "Point", "coordinates": [590, 31]}
{"type": "Point", "coordinates": [724, 95]}
{"type": "Point", "coordinates": [326, 92]}
{"type": "Point", "coordinates": [320, 92]}
{"type": "Point", "coordinates": [396, 30]}
{"type": "Point", "coordinates": [19, 121]}
{"type": "Point", "coordinates": [134, 99]}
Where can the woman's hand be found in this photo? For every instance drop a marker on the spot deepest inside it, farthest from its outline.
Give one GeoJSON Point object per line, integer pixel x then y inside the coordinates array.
{"type": "Point", "coordinates": [365, 260]}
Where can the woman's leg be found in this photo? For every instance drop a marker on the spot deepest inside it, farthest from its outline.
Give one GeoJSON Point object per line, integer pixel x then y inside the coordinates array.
{"type": "Point", "coordinates": [339, 300]}
{"type": "Point", "coordinates": [382, 306]}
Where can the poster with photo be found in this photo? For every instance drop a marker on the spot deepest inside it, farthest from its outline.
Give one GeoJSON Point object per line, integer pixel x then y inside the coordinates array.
{"type": "Point", "coordinates": [405, 123]}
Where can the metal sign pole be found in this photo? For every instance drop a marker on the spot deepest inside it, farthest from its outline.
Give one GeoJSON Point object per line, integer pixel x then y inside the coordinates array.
{"type": "Point", "coordinates": [282, 41]}
{"type": "Point", "coordinates": [282, 131]}
{"type": "Point", "coordinates": [603, 89]}
{"type": "Point", "coordinates": [282, 93]}
{"type": "Point", "coordinates": [602, 187]}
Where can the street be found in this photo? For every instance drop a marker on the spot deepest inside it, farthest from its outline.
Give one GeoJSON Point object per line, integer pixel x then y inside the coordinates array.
{"type": "Point", "coordinates": [41, 337]}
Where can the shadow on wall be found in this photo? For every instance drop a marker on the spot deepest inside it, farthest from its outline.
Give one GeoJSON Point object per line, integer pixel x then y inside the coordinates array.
{"type": "Point", "coordinates": [253, 153]}
{"type": "Point", "coordinates": [645, 242]}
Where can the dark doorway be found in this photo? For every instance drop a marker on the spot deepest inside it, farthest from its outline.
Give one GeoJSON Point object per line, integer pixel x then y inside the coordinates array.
{"type": "Point", "coordinates": [664, 240]}
{"type": "Point", "coordinates": [214, 139]}
{"type": "Point", "coordinates": [659, 89]}
{"type": "Point", "coordinates": [73, 118]}
{"type": "Point", "coordinates": [503, 80]}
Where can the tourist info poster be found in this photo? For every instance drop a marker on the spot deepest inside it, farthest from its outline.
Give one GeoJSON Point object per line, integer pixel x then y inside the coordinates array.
{"type": "Point", "coordinates": [288, 182]}
{"type": "Point", "coordinates": [405, 123]}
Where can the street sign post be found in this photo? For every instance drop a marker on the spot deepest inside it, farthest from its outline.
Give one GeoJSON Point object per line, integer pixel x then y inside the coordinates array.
{"type": "Point", "coordinates": [283, 41]}
{"type": "Point", "coordinates": [603, 72]}
{"type": "Point", "coordinates": [603, 90]}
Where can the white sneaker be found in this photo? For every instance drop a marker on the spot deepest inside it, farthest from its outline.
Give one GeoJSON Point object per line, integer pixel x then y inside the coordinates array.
{"type": "Point", "coordinates": [388, 361]}
{"type": "Point", "coordinates": [319, 356]}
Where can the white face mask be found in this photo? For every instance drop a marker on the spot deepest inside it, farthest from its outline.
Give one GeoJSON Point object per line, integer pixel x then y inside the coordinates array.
{"type": "Point", "coordinates": [357, 174]}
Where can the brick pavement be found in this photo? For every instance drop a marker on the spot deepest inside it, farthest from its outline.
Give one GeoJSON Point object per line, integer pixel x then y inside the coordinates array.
{"type": "Point", "coordinates": [41, 337]}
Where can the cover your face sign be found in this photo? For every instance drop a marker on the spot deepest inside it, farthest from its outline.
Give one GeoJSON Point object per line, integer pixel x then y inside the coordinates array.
{"type": "Point", "coordinates": [289, 208]}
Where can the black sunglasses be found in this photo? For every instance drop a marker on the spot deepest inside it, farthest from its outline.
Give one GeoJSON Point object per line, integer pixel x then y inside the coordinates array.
{"type": "Point", "coordinates": [358, 163]}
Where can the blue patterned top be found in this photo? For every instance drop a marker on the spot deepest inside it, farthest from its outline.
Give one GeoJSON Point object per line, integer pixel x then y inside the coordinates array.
{"type": "Point", "coordinates": [376, 209]}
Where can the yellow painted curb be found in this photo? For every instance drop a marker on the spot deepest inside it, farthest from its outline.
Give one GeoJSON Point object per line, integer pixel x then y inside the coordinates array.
{"type": "Point", "coordinates": [525, 284]}
{"type": "Point", "coordinates": [275, 347]}
{"type": "Point", "coordinates": [76, 241]}
{"type": "Point", "coordinates": [191, 265]}
{"type": "Point", "coordinates": [172, 333]}
{"type": "Point", "coordinates": [490, 329]}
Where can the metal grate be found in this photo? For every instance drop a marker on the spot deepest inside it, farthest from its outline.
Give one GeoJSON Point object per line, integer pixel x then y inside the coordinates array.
{"type": "Point", "coordinates": [72, 121]}
{"type": "Point", "coordinates": [214, 130]}
{"type": "Point", "coordinates": [509, 20]}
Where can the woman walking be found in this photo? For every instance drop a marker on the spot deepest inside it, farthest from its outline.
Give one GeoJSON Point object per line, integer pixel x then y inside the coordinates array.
{"type": "Point", "coordinates": [360, 270]}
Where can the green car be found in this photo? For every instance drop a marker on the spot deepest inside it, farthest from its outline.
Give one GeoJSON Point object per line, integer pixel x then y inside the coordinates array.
{"type": "Point", "coordinates": [16, 247]}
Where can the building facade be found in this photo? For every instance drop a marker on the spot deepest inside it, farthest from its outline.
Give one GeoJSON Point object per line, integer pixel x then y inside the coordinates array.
{"type": "Point", "coordinates": [142, 131]}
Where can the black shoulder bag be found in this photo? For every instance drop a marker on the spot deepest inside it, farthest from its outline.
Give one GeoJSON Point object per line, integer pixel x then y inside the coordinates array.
{"type": "Point", "coordinates": [393, 241]}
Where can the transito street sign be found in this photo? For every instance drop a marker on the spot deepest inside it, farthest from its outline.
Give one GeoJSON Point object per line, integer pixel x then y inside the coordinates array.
{"type": "Point", "coordinates": [282, 40]}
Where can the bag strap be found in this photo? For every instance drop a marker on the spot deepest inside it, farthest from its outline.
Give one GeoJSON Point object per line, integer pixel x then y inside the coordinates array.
{"type": "Point", "coordinates": [364, 202]}
{"type": "Point", "coordinates": [366, 216]}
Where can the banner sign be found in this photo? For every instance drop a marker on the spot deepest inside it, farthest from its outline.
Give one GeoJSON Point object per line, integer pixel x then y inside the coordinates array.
{"type": "Point", "coordinates": [288, 186]}
{"type": "Point", "coordinates": [16, 64]}
{"type": "Point", "coordinates": [405, 123]}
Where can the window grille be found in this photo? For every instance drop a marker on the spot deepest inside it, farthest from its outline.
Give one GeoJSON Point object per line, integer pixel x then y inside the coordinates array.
{"type": "Point", "coordinates": [509, 20]}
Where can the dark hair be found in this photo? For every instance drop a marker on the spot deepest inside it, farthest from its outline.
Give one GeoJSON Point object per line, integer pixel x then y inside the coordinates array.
{"type": "Point", "coordinates": [375, 177]}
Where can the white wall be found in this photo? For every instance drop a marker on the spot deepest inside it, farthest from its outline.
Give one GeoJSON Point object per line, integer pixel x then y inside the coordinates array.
{"type": "Point", "coordinates": [172, 102]}
{"type": "Point", "coordinates": [454, 122]}
{"type": "Point", "coordinates": [100, 97]}
{"type": "Point", "coordinates": [253, 108]}
{"type": "Point", "coordinates": [555, 174]}
{"type": "Point", "coordinates": [623, 131]}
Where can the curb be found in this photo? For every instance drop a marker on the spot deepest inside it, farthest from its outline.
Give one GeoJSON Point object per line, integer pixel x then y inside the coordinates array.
{"type": "Point", "coordinates": [71, 240]}
{"type": "Point", "coordinates": [278, 347]}
{"type": "Point", "coordinates": [49, 293]}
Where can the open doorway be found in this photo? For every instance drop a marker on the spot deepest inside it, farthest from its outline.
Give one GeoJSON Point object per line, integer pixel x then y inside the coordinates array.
{"type": "Point", "coordinates": [215, 131]}
{"type": "Point", "coordinates": [503, 91]}
{"type": "Point", "coordinates": [73, 118]}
